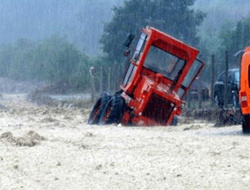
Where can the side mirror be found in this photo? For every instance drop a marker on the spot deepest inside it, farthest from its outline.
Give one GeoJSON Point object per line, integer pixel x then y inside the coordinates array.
{"type": "Point", "coordinates": [129, 40]}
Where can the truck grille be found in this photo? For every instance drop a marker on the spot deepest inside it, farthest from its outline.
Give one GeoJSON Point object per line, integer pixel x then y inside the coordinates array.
{"type": "Point", "coordinates": [158, 109]}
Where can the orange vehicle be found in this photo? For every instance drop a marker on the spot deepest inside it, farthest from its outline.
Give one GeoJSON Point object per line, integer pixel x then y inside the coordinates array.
{"type": "Point", "coordinates": [159, 72]}
{"type": "Point", "coordinates": [244, 92]}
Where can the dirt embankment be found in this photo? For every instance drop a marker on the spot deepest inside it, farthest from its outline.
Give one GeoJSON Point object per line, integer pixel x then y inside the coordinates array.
{"type": "Point", "coordinates": [53, 148]}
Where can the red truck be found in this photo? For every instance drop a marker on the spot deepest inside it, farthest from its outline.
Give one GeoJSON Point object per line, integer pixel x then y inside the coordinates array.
{"type": "Point", "coordinates": [159, 72]}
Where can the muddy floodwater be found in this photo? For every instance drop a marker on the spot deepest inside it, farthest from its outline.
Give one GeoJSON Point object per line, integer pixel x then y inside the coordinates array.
{"type": "Point", "coordinates": [54, 148]}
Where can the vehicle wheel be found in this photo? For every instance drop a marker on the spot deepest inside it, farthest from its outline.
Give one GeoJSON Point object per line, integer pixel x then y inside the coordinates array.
{"type": "Point", "coordinates": [174, 121]}
{"type": "Point", "coordinates": [113, 111]}
{"type": "Point", "coordinates": [235, 101]}
{"type": "Point", "coordinates": [218, 100]}
{"type": "Point", "coordinates": [246, 124]}
{"type": "Point", "coordinates": [98, 108]}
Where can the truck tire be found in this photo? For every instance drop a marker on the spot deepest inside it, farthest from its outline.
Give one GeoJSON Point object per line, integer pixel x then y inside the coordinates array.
{"type": "Point", "coordinates": [235, 101]}
{"type": "Point", "coordinates": [113, 111]}
{"type": "Point", "coordinates": [246, 124]}
{"type": "Point", "coordinates": [98, 108]}
{"type": "Point", "coordinates": [218, 100]}
{"type": "Point", "coordinates": [174, 121]}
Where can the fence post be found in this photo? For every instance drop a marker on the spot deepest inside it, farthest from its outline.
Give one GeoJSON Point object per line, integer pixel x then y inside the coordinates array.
{"type": "Point", "coordinates": [199, 93]}
{"type": "Point", "coordinates": [188, 99]}
{"type": "Point", "coordinates": [116, 77]}
{"type": "Point", "coordinates": [226, 81]}
{"type": "Point", "coordinates": [101, 80]}
{"type": "Point", "coordinates": [91, 71]}
{"type": "Point", "coordinates": [212, 81]}
{"type": "Point", "coordinates": [109, 79]}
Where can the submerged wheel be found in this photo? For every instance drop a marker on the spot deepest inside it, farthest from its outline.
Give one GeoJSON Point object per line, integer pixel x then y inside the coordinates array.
{"type": "Point", "coordinates": [113, 110]}
{"type": "Point", "coordinates": [246, 124]}
{"type": "Point", "coordinates": [95, 111]}
{"type": "Point", "coordinates": [174, 121]}
{"type": "Point", "coordinates": [98, 108]}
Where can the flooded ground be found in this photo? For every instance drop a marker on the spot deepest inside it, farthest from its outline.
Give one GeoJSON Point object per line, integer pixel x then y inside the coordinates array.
{"type": "Point", "coordinates": [72, 97]}
{"type": "Point", "coordinates": [54, 148]}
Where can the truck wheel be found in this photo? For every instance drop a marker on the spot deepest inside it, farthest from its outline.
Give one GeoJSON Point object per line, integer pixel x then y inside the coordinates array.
{"type": "Point", "coordinates": [235, 101]}
{"type": "Point", "coordinates": [246, 124]}
{"type": "Point", "coordinates": [98, 108]}
{"type": "Point", "coordinates": [218, 100]}
{"type": "Point", "coordinates": [174, 121]}
{"type": "Point", "coordinates": [113, 111]}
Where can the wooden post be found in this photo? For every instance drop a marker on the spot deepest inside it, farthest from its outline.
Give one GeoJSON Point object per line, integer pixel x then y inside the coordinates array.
{"type": "Point", "coordinates": [115, 74]}
{"type": "Point", "coordinates": [188, 99]}
{"type": "Point", "coordinates": [91, 71]}
{"type": "Point", "coordinates": [226, 81]}
{"type": "Point", "coordinates": [199, 93]}
{"type": "Point", "coordinates": [212, 81]}
{"type": "Point", "coordinates": [101, 80]}
{"type": "Point", "coordinates": [109, 79]}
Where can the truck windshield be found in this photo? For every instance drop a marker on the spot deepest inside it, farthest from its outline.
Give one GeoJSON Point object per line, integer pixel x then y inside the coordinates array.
{"type": "Point", "coordinates": [192, 73]}
{"type": "Point", "coordinates": [163, 62]}
{"type": "Point", "coordinates": [139, 46]}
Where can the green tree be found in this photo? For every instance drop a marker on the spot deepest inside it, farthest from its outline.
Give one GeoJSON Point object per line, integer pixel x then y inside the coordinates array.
{"type": "Point", "coordinates": [174, 17]}
{"type": "Point", "coordinates": [236, 39]}
{"type": "Point", "coordinates": [19, 65]}
{"type": "Point", "coordinates": [80, 78]}
{"type": "Point", "coordinates": [6, 58]}
{"type": "Point", "coordinates": [55, 59]}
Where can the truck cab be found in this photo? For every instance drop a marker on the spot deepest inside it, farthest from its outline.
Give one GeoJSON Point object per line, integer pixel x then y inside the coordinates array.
{"type": "Point", "coordinates": [160, 70]}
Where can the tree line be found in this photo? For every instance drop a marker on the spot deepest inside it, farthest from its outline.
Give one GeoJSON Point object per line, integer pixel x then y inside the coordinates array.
{"type": "Point", "coordinates": [56, 59]}
{"type": "Point", "coordinates": [53, 59]}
